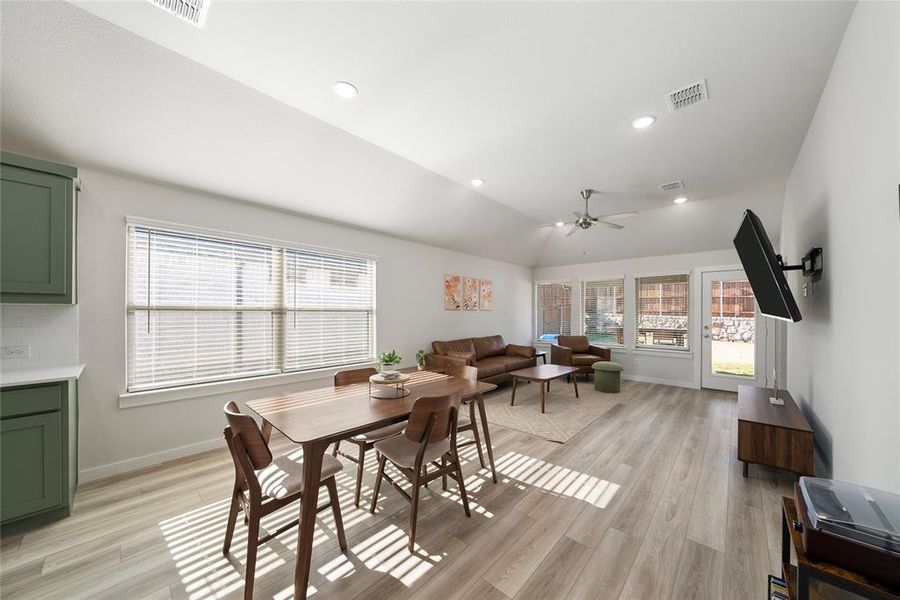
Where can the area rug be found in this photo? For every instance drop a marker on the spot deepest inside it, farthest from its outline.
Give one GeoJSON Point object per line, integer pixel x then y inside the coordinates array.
{"type": "Point", "coordinates": [565, 415]}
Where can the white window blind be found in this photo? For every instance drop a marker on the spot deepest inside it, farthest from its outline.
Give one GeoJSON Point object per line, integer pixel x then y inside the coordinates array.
{"type": "Point", "coordinates": [330, 309]}
{"type": "Point", "coordinates": [662, 311]}
{"type": "Point", "coordinates": [204, 309]}
{"type": "Point", "coordinates": [553, 310]}
{"type": "Point", "coordinates": [603, 310]}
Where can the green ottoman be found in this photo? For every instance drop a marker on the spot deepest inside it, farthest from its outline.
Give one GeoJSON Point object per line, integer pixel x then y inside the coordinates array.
{"type": "Point", "coordinates": [607, 376]}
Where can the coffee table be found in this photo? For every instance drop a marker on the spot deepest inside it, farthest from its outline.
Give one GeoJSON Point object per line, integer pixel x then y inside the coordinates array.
{"type": "Point", "coordinates": [544, 374]}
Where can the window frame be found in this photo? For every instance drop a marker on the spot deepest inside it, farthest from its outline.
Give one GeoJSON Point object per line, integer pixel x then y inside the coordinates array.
{"type": "Point", "coordinates": [534, 304]}
{"type": "Point", "coordinates": [676, 350]}
{"type": "Point", "coordinates": [167, 393]}
{"type": "Point", "coordinates": [583, 312]}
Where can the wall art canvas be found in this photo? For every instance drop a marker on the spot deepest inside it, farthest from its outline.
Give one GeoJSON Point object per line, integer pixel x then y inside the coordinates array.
{"type": "Point", "coordinates": [486, 295]}
{"type": "Point", "coordinates": [470, 293]}
{"type": "Point", "coordinates": [452, 292]}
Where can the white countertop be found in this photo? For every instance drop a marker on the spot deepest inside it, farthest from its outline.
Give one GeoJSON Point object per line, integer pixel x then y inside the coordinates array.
{"type": "Point", "coordinates": [33, 375]}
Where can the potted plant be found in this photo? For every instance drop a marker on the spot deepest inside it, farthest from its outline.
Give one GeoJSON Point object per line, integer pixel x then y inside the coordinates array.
{"type": "Point", "coordinates": [420, 359]}
{"type": "Point", "coordinates": [389, 361]}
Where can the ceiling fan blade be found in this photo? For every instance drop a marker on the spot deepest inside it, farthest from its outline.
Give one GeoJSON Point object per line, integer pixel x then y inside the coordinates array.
{"type": "Point", "coordinates": [610, 225]}
{"type": "Point", "coordinates": [621, 215]}
{"type": "Point", "coordinates": [555, 225]}
{"type": "Point", "coordinates": [573, 230]}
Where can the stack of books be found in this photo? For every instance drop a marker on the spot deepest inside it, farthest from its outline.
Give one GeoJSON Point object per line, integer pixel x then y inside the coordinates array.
{"type": "Point", "coordinates": [778, 589]}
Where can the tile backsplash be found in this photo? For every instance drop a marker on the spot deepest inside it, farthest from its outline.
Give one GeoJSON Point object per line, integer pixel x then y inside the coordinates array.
{"type": "Point", "coordinates": [50, 332]}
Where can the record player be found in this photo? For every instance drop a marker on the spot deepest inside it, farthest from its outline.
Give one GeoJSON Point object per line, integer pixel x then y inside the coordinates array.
{"type": "Point", "coordinates": [850, 526]}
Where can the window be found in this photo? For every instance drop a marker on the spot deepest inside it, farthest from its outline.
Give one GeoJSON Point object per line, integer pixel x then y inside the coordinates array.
{"type": "Point", "coordinates": [662, 311]}
{"type": "Point", "coordinates": [603, 310]}
{"type": "Point", "coordinates": [553, 310]}
{"type": "Point", "coordinates": [204, 309]}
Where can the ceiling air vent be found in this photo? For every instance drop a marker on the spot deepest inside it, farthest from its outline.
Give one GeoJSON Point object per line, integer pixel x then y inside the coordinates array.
{"type": "Point", "coordinates": [672, 186]}
{"type": "Point", "coordinates": [192, 11]}
{"type": "Point", "coordinates": [693, 93]}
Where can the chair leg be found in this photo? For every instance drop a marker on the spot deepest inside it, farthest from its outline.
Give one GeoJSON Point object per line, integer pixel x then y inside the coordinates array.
{"type": "Point", "coordinates": [462, 486]}
{"type": "Point", "coordinates": [413, 512]}
{"type": "Point", "coordinates": [360, 469]}
{"type": "Point", "coordinates": [382, 460]}
{"type": "Point", "coordinates": [252, 545]}
{"type": "Point", "coordinates": [336, 511]}
{"type": "Point", "coordinates": [444, 476]}
{"type": "Point", "coordinates": [475, 433]}
{"type": "Point", "coordinates": [337, 445]}
{"type": "Point", "coordinates": [232, 519]}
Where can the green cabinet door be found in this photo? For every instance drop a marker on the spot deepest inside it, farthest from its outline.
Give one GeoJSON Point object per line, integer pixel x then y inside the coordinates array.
{"type": "Point", "coordinates": [31, 463]}
{"type": "Point", "coordinates": [36, 235]}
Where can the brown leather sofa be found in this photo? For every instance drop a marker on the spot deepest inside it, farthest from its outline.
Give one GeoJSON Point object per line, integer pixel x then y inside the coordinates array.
{"type": "Point", "coordinates": [577, 351]}
{"type": "Point", "coordinates": [492, 356]}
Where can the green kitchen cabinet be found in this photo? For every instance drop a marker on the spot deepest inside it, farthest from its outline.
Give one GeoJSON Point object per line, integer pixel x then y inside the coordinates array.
{"type": "Point", "coordinates": [38, 435]}
{"type": "Point", "coordinates": [37, 231]}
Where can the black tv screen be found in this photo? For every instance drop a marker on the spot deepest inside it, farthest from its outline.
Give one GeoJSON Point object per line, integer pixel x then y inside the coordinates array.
{"type": "Point", "coordinates": [773, 296]}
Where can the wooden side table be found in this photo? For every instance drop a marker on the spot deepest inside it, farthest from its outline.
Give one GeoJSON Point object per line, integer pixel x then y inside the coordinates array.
{"type": "Point", "coordinates": [798, 577]}
{"type": "Point", "coordinates": [772, 435]}
{"type": "Point", "coordinates": [541, 354]}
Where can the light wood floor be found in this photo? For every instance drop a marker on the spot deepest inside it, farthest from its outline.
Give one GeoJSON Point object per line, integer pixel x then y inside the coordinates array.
{"type": "Point", "coordinates": [646, 502]}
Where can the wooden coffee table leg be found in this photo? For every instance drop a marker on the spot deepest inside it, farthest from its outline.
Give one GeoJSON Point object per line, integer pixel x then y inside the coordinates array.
{"type": "Point", "coordinates": [512, 401]}
{"type": "Point", "coordinates": [575, 383]}
{"type": "Point", "coordinates": [543, 390]}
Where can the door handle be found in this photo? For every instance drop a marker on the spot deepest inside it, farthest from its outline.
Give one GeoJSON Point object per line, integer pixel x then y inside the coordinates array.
{"type": "Point", "coordinates": [706, 335]}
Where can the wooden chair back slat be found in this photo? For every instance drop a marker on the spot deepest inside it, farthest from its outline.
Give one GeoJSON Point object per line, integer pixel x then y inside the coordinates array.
{"type": "Point", "coordinates": [353, 376]}
{"type": "Point", "coordinates": [443, 408]}
{"type": "Point", "coordinates": [251, 437]}
{"type": "Point", "coordinates": [467, 372]}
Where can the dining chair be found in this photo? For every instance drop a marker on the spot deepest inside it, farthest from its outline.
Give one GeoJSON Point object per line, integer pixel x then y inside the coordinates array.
{"type": "Point", "coordinates": [264, 484]}
{"type": "Point", "coordinates": [430, 435]}
{"type": "Point", "coordinates": [467, 423]}
{"type": "Point", "coordinates": [364, 441]}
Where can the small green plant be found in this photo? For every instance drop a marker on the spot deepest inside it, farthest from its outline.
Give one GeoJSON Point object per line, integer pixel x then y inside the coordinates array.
{"type": "Point", "coordinates": [420, 357]}
{"type": "Point", "coordinates": [390, 358]}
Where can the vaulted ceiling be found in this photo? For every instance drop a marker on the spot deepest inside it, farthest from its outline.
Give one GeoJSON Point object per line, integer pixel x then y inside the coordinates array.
{"type": "Point", "coordinates": [535, 98]}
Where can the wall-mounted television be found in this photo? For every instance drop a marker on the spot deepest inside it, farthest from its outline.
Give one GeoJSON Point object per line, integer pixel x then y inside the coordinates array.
{"type": "Point", "coordinates": [764, 269]}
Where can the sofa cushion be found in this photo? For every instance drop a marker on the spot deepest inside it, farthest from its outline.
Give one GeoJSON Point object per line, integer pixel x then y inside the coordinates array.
{"type": "Point", "coordinates": [578, 343]}
{"type": "Point", "coordinates": [464, 345]}
{"type": "Point", "coordinates": [493, 365]}
{"type": "Point", "coordinates": [469, 357]}
{"type": "Point", "coordinates": [583, 360]}
{"type": "Point", "coordinates": [492, 345]}
{"type": "Point", "coordinates": [518, 362]}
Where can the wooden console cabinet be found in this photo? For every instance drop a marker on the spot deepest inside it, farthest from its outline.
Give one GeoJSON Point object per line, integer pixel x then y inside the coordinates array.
{"type": "Point", "coordinates": [771, 435]}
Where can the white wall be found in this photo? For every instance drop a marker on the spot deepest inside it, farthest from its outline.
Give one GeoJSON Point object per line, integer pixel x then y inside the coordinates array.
{"type": "Point", "coordinates": [50, 331]}
{"type": "Point", "coordinates": [657, 366]}
{"type": "Point", "coordinates": [842, 195]}
{"type": "Point", "coordinates": [409, 311]}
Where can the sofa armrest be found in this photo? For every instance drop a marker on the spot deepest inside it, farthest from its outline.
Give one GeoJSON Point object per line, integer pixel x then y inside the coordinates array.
{"type": "Point", "coordinates": [600, 351]}
{"type": "Point", "coordinates": [518, 350]}
{"type": "Point", "coordinates": [439, 361]}
{"type": "Point", "coordinates": [560, 355]}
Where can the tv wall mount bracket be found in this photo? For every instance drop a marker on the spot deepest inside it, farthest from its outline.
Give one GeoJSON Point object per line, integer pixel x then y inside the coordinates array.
{"type": "Point", "coordinates": [810, 264]}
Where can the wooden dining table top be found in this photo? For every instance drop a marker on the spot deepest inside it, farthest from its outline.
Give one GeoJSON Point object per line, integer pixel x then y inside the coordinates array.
{"type": "Point", "coordinates": [333, 413]}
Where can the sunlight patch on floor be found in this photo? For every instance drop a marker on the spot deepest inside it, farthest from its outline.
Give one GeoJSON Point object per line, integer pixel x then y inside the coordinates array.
{"type": "Point", "coordinates": [557, 479]}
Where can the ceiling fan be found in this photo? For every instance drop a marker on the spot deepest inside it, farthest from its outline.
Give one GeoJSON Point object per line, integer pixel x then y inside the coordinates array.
{"type": "Point", "coordinates": [586, 221]}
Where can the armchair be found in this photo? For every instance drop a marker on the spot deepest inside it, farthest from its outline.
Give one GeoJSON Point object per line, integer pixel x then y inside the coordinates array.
{"type": "Point", "coordinates": [577, 351]}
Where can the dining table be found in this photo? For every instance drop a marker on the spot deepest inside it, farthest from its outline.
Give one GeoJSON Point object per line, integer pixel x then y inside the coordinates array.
{"type": "Point", "coordinates": [316, 418]}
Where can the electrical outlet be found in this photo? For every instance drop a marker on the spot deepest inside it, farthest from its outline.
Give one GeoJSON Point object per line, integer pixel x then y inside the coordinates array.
{"type": "Point", "coordinates": [16, 351]}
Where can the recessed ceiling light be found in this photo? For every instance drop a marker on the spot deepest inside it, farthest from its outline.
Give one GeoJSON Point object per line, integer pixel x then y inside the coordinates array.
{"type": "Point", "coordinates": [477, 182]}
{"type": "Point", "coordinates": [559, 223]}
{"type": "Point", "coordinates": [643, 122]}
{"type": "Point", "coordinates": [680, 200]}
{"type": "Point", "coordinates": [344, 89]}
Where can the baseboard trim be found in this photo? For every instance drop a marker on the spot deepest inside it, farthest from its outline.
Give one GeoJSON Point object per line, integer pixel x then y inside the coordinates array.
{"type": "Point", "coordinates": [672, 382]}
{"type": "Point", "coordinates": [148, 460]}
